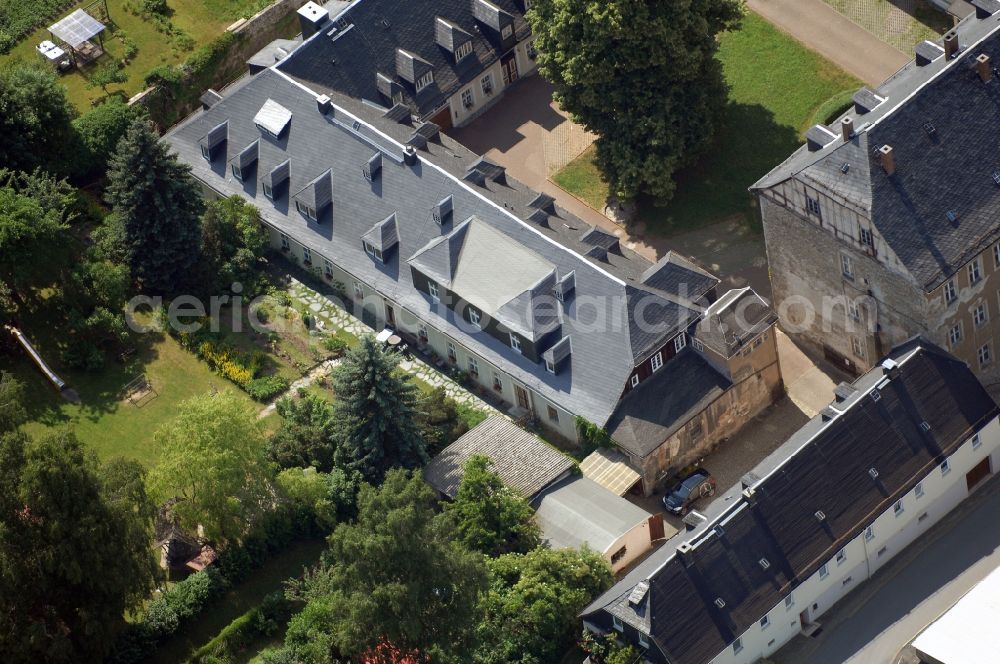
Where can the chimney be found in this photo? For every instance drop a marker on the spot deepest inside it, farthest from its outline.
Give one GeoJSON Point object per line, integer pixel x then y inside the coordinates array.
{"type": "Point", "coordinates": [409, 156]}
{"type": "Point", "coordinates": [983, 67]}
{"type": "Point", "coordinates": [323, 104]}
{"type": "Point", "coordinates": [847, 128]}
{"type": "Point", "coordinates": [311, 19]}
{"type": "Point", "coordinates": [950, 44]}
{"type": "Point", "coordinates": [888, 160]}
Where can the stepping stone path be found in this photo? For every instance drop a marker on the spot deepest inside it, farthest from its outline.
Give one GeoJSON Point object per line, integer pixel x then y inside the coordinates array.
{"type": "Point", "coordinates": [319, 372]}
{"type": "Point", "coordinates": [331, 316]}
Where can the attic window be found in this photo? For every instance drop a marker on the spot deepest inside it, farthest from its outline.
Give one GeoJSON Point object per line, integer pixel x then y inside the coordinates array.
{"type": "Point", "coordinates": [424, 80]}
{"type": "Point", "coordinates": [846, 167]}
{"type": "Point", "coordinates": [820, 515]}
{"type": "Point", "coordinates": [996, 177]}
{"type": "Point", "coordinates": [372, 167]}
{"type": "Point", "coordinates": [924, 426]}
{"type": "Point", "coordinates": [929, 128]}
{"type": "Point", "coordinates": [719, 602]}
{"type": "Point", "coordinates": [463, 50]}
{"type": "Point", "coordinates": [507, 32]}
{"type": "Point", "coordinates": [764, 563]}
{"type": "Point", "coordinates": [719, 531]}
{"type": "Point", "coordinates": [442, 211]}
{"type": "Point", "coordinates": [873, 473]}
{"type": "Point", "coordinates": [875, 395]}
{"type": "Point", "coordinates": [951, 215]}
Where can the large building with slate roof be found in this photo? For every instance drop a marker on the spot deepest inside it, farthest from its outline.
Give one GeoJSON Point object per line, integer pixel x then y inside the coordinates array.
{"type": "Point", "coordinates": [556, 318]}
{"type": "Point", "coordinates": [887, 223]}
{"type": "Point", "coordinates": [890, 456]}
{"type": "Point", "coordinates": [446, 61]}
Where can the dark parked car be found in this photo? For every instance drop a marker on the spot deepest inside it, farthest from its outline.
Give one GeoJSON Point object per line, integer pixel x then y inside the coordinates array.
{"type": "Point", "coordinates": [696, 485]}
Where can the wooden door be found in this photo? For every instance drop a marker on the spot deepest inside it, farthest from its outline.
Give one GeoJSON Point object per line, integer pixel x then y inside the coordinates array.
{"type": "Point", "coordinates": [522, 397]}
{"type": "Point", "coordinates": [509, 68]}
{"type": "Point", "coordinates": [978, 473]}
{"type": "Point", "coordinates": [390, 316]}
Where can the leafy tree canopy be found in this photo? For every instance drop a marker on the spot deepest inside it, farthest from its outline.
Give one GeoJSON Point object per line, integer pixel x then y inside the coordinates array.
{"type": "Point", "coordinates": [397, 576]}
{"type": "Point", "coordinates": [213, 460]}
{"type": "Point", "coordinates": [641, 75]}
{"type": "Point", "coordinates": [375, 413]}
{"type": "Point", "coordinates": [233, 242]}
{"type": "Point", "coordinates": [99, 131]}
{"type": "Point", "coordinates": [74, 549]}
{"type": "Point", "coordinates": [35, 119]}
{"type": "Point", "coordinates": [306, 436]}
{"type": "Point", "coordinates": [489, 516]}
{"type": "Point", "coordinates": [439, 421]}
{"type": "Point", "coordinates": [12, 398]}
{"type": "Point", "coordinates": [159, 207]}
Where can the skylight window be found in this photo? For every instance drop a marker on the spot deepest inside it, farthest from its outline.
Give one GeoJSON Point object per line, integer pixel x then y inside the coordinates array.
{"type": "Point", "coordinates": [929, 128]}
{"type": "Point", "coordinates": [996, 177]}
{"type": "Point", "coordinates": [952, 216]}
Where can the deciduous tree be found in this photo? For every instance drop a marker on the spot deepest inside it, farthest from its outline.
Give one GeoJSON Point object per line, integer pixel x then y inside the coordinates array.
{"type": "Point", "coordinates": [100, 130]}
{"type": "Point", "coordinates": [306, 436]}
{"type": "Point", "coordinates": [640, 74]}
{"type": "Point", "coordinates": [233, 242]}
{"type": "Point", "coordinates": [158, 204]}
{"type": "Point", "coordinates": [35, 120]}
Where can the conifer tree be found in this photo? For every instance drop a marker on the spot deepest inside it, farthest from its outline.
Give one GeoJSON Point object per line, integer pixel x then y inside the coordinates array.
{"type": "Point", "coordinates": [160, 209]}
{"type": "Point", "coordinates": [375, 413]}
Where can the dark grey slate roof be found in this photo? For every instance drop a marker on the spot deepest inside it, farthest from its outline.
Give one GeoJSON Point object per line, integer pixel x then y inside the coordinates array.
{"type": "Point", "coordinates": [603, 355]}
{"type": "Point", "coordinates": [349, 59]}
{"type": "Point", "coordinates": [822, 467]}
{"type": "Point", "coordinates": [279, 175]}
{"type": "Point", "coordinates": [448, 35]}
{"type": "Point", "coordinates": [522, 460]}
{"type": "Point", "coordinates": [734, 319]}
{"type": "Point", "coordinates": [677, 275]}
{"type": "Point", "coordinates": [383, 235]}
{"type": "Point", "coordinates": [681, 389]}
{"type": "Point", "coordinates": [941, 121]}
{"type": "Point", "coordinates": [578, 511]}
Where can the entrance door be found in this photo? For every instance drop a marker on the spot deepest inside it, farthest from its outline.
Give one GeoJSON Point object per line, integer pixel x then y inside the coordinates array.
{"type": "Point", "coordinates": [522, 397]}
{"type": "Point", "coordinates": [804, 618]}
{"type": "Point", "coordinates": [508, 66]}
{"type": "Point", "coordinates": [390, 316]}
{"type": "Point", "coordinates": [443, 118]}
{"type": "Point", "coordinates": [978, 473]}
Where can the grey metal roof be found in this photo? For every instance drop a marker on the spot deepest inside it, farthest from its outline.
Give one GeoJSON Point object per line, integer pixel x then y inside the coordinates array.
{"type": "Point", "coordinates": [823, 467]}
{"type": "Point", "coordinates": [330, 146]}
{"type": "Point", "coordinates": [522, 460]}
{"type": "Point", "coordinates": [578, 511]}
{"type": "Point", "coordinates": [677, 275]}
{"type": "Point", "coordinates": [940, 120]}
{"type": "Point", "coordinates": [349, 59]}
{"type": "Point", "coordinates": [273, 117]}
{"type": "Point", "coordinates": [77, 28]}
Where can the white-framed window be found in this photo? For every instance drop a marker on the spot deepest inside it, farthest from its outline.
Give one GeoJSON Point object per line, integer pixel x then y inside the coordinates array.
{"type": "Point", "coordinates": [980, 314]}
{"type": "Point", "coordinates": [697, 345]}
{"type": "Point", "coordinates": [425, 80]}
{"type": "Point", "coordinates": [858, 346]}
{"type": "Point", "coordinates": [464, 49]}
{"type": "Point", "coordinates": [737, 646]}
{"type": "Point", "coordinates": [553, 414]}
{"type": "Point", "coordinates": [945, 467]}
{"type": "Point", "coordinates": [867, 238]}
{"type": "Point", "coordinates": [975, 270]}
{"type": "Point", "coordinates": [307, 256]}
{"type": "Point", "coordinates": [497, 382]}
{"type": "Point", "coordinates": [507, 32]}
{"type": "Point", "coordinates": [984, 355]}
{"type": "Point", "coordinates": [452, 353]}
{"type": "Point", "coordinates": [206, 153]}
{"type": "Point", "coordinates": [475, 315]}
{"type": "Point", "coordinates": [473, 366]}
{"type": "Point", "coordinates": [432, 290]}
{"type": "Point", "coordinates": [328, 268]}
{"type": "Point", "coordinates": [306, 211]}
{"type": "Point", "coordinates": [657, 361]}
{"type": "Point", "coordinates": [373, 251]}
{"type": "Point", "coordinates": [680, 341]}
{"type": "Point", "coordinates": [841, 557]}
{"type": "Point", "coordinates": [486, 83]}
{"type": "Point", "coordinates": [918, 490]}
{"type": "Point", "coordinates": [852, 309]}
{"type": "Point", "coordinates": [467, 99]}
{"type": "Point", "coordinates": [515, 342]}
{"type": "Point", "coordinates": [617, 623]}
{"type": "Point", "coordinates": [237, 172]}
{"type": "Point", "coordinates": [950, 291]}
{"type": "Point", "coordinates": [824, 571]}
{"type": "Point", "coordinates": [869, 533]}
{"type": "Point", "coordinates": [789, 600]}
{"type": "Point", "coordinates": [897, 509]}
{"type": "Point", "coordinates": [765, 622]}
{"type": "Point", "coordinates": [550, 366]}
{"type": "Point", "coordinates": [359, 291]}
{"type": "Point", "coordinates": [268, 192]}
{"type": "Point", "coordinates": [634, 380]}
{"type": "Point", "coordinates": [813, 207]}
{"type": "Point", "coordinates": [643, 641]}
{"type": "Point", "coordinates": [285, 246]}
{"type": "Point", "coordinates": [977, 442]}
{"type": "Point", "coordinates": [847, 266]}
{"type": "Point", "coordinates": [955, 334]}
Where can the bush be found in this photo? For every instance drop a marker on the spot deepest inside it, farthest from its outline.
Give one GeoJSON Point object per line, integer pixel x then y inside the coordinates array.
{"type": "Point", "coordinates": [161, 620]}
{"type": "Point", "coordinates": [155, 7]}
{"type": "Point", "coordinates": [163, 75]}
{"type": "Point", "coordinates": [131, 49]}
{"type": "Point", "coordinates": [83, 355]}
{"type": "Point", "coordinates": [263, 620]}
{"type": "Point", "coordinates": [266, 388]}
{"type": "Point", "coordinates": [189, 597]}
{"type": "Point", "coordinates": [335, 345]}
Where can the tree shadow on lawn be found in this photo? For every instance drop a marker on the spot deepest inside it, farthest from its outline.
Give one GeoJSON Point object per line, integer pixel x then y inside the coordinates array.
{"type": "Point", "coordinates": [748, 143]}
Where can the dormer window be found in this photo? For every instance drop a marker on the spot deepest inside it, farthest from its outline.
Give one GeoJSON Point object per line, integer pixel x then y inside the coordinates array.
{"type": "Point", "coordinates": [237, 172]}
{"type": "Point", "coordinates": [462, 51]}
{"type": "Point", "coordinates": [550, 366]}
{"type": "Point", "coordinates": [475, 316]}
{"type": "Point", "coordinates": [432, 290]}
{"type": "Point", "coordinates": [306, 211]}
{"type": "Point", "coordinates": [206, 153]}
{"type": "Point", "coordinates": [515, 342]}
{"type": "Point", "coordinates": [424, 80]}
{"type": "Point", "coordinates": [507, 32]}
{"type": "Point", "coordinates": [268, 191]}
{"type": "Point", "coordinates": [373, 251]}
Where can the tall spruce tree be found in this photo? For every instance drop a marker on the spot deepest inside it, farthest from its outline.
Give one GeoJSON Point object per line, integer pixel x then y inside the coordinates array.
{"type": "Point", "coordinates": [375, 413]}
{"type": "Point", "coordinates": [158, 204]}
{"type": "Point", "coordinates": [642, 75]}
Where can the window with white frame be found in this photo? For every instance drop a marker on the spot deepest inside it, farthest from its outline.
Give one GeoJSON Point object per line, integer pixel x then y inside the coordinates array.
{"type": "Point", "coordinates": [789, 600]}
{"type": "Point", "coordinates": [765, 622]}
{"type": "Point", "coordinates": [852, 309]}
{"type": "Point", "coordinates": [984, 354]}
{"type": "Point", "coordinates": [975, 270]}
{"type": "Point", "coordinates": [373, 251]}
{"type": "Point", "coordinates": [634, 381]}
{"type": "Point", "coordinates": [507, 32]}
{"type": "Point", "coordinates": [643, 641]}
{"type": "Point", "coordinates": [980, 314]}
{"type": "Point", "coordinates": [737, 646]}
{"type": "Point", "coordinates": [359, 291]}
{"type": "Point", "coordinates": [950, 291]}
{"type": "Point", "coordinates": [237, 172]}
{"type": "Point", "coordinates": [847, 266]}
{"type": "Point", "coordinates": [486, 83]}
{"type": "Point", "coordinates": [268, 191]}
{"type": "Point", "coordinates": [327, 268]}
{"type": "Point", "coordinates": [680, 341]}
{"type": "Point", "coordinates": [976, 442]}
{"type": "Point", "coordinates": [697, 345]}
{"type": "Point", "coordinates": [841, 557]}
{"type": "Point", "coordinates": [425, 80]}
{"type": "Point", "coordinates": [869, 533]}
{"type": "Point", "coordinates": [306, 211]}
{"type": "Point", "coordinates": [515, 342]}
{"type": "Point", "coordinates": [452, 353]}
{"type": "Point", "coordinates": [918, 490]}
{"type": "Point", "coordinates": [468, 100]}
{"type": "Point", "coordinates": [422, 332]}
{"type": "Point", "coordinates": [497, 382]}
{"type": "Point", "coordinates": [945, 467]}
{"type": "Point", "coordinates": [955, 334]}
{"type": "Point", "coordinates": [553, 414]}
{"type": "Point", "coordinates": [432, 290]}
{"type": "Point", "coordinates": [897, 509]}
{"type": "Point", "coordinates": [858, 346]}
{"type": "Point", "coordinates": [206, 153]}
{"type": "Point", "coordinates": [657, 361]}
{"type": "Point", "coordinates": [285, 245]}
{"type": "Point", "coordinates": [475, 315]}
{"type": "Point", "coordinates": [474, 367]}
{"type": "Point", "coordinates": [867, 238]}
{"type": "Point", "coordinates": [824, 571]}
{"type": "Point", "coordinates": [464, 49]}
{"type": "Point", "coordinates": [617, 623]}
{"type": "Point", "coordinates": [550, 366]}
{"type": "Point", "coordinates": [307, 256]}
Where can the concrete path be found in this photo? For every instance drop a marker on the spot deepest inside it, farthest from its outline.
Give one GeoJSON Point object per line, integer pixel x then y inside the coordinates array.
{"type": "Point", "coordinates": [877, 621]}
{"type": "Point", "coordinates": [834, 36]}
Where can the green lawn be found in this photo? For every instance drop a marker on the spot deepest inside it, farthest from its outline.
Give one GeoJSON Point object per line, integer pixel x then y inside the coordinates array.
{"type": "Point", "coordinates": [776, 86]}
{"type": "Point", "coordinates": [200, 20]}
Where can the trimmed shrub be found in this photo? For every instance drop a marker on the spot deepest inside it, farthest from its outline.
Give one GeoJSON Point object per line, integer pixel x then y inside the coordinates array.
{"type": "Point", "coordinates": [266, 387]}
